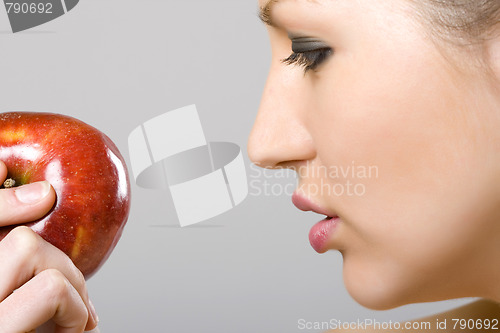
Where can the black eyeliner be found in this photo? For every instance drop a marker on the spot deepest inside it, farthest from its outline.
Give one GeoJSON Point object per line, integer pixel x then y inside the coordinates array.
{"type": "Point", "coordinates": [307, 52]}
{"type": "Point", "coordinates": [309, 60]}
{"type": "Point", "coordinates": [306, 44]}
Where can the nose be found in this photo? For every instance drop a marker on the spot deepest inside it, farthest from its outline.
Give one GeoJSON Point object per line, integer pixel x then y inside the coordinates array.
{"type": "Point", "coordinates": [280, 136]}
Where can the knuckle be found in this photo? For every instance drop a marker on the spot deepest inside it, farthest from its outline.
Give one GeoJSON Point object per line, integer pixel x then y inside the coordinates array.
{"type": "Point", "coordinates": [60, 295]}
{"type": "Point", "coordinates": [24, 242]}
{"type": "Point", "coordinates": [54, 282]}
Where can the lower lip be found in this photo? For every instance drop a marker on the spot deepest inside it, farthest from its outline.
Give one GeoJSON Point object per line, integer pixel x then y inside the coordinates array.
{"type": "Point", "coordinates": [321, 232]}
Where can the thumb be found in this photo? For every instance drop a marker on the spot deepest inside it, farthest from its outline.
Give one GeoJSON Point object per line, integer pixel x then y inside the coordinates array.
{"type": "Point", "coordinates": [25, 203]}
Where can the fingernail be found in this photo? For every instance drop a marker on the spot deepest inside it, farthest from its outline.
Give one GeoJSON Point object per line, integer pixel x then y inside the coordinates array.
{"type": "Point", "coordinates": [32, 193]}
{"type": "Point", "coordinates": [93, 312]}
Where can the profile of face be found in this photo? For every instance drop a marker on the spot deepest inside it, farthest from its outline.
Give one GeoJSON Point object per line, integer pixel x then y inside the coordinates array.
{"type": "Point", "coordinates": [370, 93]}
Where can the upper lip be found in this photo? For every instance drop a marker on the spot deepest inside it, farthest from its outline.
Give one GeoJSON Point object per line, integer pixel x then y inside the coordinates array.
{"type": "Point", "coordinates": [305, 204]}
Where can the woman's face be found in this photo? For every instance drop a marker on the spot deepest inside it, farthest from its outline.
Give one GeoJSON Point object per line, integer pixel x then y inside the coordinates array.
{"type": "Point", "coordinates": [393, 139]}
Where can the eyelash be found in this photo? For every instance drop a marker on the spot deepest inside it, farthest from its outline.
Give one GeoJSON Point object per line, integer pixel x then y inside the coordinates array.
{"type": "Point", "coordinates": [309, 60]}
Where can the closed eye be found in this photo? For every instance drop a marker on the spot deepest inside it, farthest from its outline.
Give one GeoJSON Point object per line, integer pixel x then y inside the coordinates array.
{"type": "Point", "coordinates": [309, 60]}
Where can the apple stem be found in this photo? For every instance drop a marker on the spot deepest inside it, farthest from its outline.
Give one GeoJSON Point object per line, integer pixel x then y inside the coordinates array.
{"type": "Point", "coordinates": [9, 183]}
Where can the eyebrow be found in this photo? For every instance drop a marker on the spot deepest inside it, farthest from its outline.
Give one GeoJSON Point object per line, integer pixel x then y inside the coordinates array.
{"type": "Point", "coordinates": [265, 12]}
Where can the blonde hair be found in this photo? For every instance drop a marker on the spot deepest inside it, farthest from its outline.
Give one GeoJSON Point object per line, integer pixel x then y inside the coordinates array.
{"type": "Point", "coordinates": [461, 22]}
{"type": "Point", "coordinates": [461, 29]}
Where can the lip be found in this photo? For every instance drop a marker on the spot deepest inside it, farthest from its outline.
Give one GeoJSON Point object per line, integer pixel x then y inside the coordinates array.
{"type": "Point", "coordinates": [306, 205]}
{"type": "Point", "coordinates": [321, 232]}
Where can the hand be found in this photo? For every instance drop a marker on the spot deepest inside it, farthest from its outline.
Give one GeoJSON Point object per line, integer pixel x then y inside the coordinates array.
{"type": "Point", "coordinates": [38, 282]}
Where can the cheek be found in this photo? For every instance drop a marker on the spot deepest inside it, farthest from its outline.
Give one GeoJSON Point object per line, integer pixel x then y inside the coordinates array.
{"type": "Point", "coordinates": [402, 123]}
{"type": "Point", "coordinates": [404, 120]}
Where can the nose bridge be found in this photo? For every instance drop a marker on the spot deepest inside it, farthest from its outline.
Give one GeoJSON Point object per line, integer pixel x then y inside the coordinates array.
{"type": "Point", "coordinates": [280, 133]}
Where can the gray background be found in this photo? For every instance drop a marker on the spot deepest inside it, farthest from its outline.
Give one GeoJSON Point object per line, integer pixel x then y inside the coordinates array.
{"type": "Point", "coordinates": [118, 63]}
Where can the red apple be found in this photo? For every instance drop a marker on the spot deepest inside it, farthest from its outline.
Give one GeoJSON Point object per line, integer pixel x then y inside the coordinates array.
{"type": "Point", "coordinates": [89, 177]}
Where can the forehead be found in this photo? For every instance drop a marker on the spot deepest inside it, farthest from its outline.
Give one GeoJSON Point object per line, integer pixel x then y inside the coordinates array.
{"type": "Point", "coordinates": [270, 3]}
{"type": "Point", "coordinates": [267, 7]}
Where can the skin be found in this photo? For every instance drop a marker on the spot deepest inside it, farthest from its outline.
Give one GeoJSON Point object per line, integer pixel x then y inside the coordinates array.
{"type": "Point", "coordinates": [427, 226]}
{"type": "Point", "coordinates": [479, 311]}
{"type": "Point", "coordinates": [40, 286]}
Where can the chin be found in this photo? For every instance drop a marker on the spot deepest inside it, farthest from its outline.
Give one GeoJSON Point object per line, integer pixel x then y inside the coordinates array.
{"type": "Point", "coordinates": [375, 289]}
